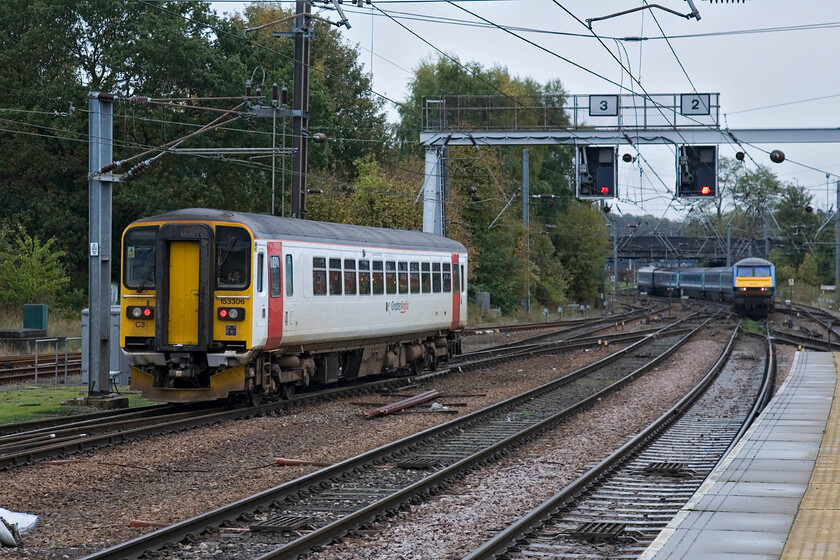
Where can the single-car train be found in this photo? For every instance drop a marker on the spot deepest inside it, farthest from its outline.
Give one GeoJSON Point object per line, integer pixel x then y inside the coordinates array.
{"type": "Point", "coordinates": [218, 303]}
{"type": "Point", "coordinates": [750, 284]}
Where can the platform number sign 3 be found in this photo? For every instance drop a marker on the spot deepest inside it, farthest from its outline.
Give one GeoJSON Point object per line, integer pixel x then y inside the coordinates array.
{"type": "Point", "coordinates": [603, 105]}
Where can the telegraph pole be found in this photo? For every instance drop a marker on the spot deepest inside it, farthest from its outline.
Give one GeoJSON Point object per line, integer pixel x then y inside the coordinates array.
{"type": "Point", "coordinates": [100, 130]}
{"type": "Point", "coordinates": [527, 223]}
{"type": "Point", "coordinates": [300, 108]}
{"type": "Point", "coordinates": [837, 241]}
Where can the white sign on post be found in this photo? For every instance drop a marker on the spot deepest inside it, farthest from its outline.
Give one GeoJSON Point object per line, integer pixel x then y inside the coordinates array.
{"type": "Point", "coordinates": [695, 104]}
{"type": "Point", "coordinates": [603, 105]}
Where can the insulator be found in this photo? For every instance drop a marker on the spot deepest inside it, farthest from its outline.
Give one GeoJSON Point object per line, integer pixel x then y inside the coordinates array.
{"type": "Point", "coordinates": [275, 91]}
{"type": "Point", "coordinates": [140, 99]}
{"type": "Point", "coordinates": [259, 92]}
{"type": "Point", "coordinates": [247, 88]}
{"type": "Point", "coordinates": [110, 167]}
{"type": "Point", "coordinates": [284, 96]}
{"type": "Point", "coordinates": [137, 169]}
{"type": "Point", "coordinates": [106, 97]}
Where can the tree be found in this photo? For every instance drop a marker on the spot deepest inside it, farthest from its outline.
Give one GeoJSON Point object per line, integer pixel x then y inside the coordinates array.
{"type": "Point", "coordinates": [30, 271]}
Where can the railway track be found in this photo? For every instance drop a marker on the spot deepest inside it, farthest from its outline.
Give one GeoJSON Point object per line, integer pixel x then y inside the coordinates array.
{"type": "Point", "coordinates": [329, 503]}
{"type": "Point", "coordinates": [24, 369]}
{"type": "Point", "coordinates": [28, 442]}
{"type": "Point", "coordinates": [619, 507]}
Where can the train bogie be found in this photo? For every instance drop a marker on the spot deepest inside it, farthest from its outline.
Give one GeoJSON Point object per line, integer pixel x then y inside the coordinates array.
{"type": "Point", "coordinates": [252, 304]}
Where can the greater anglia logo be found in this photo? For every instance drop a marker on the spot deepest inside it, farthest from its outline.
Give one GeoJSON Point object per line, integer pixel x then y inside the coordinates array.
{"type": "Point", "coordinates": [399, 306]}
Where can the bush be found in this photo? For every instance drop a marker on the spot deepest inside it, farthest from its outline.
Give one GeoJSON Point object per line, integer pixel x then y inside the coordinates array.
{"type": "Point", "coordinates": [30, 271]}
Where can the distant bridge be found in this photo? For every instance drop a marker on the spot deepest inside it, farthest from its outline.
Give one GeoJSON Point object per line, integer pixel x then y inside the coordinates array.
{"type": "Point", "coordinates": [671, 248]}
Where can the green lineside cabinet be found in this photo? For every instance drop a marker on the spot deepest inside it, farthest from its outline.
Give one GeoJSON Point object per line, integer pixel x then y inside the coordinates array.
{"type": "Point", "coordinates": [35, 316]}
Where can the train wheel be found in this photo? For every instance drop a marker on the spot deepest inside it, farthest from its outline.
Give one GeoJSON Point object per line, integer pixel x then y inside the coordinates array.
{"type": "Point", "coordinates": [287, 390]}
{"type": "Point", "coordinates": [417, 366]}
{"type": "Point", "coordinates": [256, 397]}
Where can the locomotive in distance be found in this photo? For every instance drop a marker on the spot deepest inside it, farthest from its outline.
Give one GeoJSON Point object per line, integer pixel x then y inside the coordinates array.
{"type": "Point", "coordinates": [750, 284]}
{"type": "Point", "coordinates": [216, 304]}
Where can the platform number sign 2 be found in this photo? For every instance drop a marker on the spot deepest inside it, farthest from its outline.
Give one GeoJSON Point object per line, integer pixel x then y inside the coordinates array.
{"type": "Point", "coordinates": [695, 104]}
{"type": "Point", "coordinates": [603, 105]}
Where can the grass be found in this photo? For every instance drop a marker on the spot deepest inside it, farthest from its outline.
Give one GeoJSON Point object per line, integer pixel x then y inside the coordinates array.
{"type": "Point", "coordinates": [21, 403]}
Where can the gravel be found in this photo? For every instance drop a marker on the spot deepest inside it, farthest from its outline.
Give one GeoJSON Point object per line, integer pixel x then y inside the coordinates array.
{"type": "Point", "coordinates": [87, 505]}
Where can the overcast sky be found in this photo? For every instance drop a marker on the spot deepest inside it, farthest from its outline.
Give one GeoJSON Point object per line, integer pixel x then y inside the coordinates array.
{"type": "Point", "coordinates": [774, 63]}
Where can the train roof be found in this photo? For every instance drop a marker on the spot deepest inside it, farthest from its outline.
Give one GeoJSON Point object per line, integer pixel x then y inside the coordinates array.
{"type": "Point", "coordinates": [275, 227]}
{"type": "Point", "coordinates": [753, 261]}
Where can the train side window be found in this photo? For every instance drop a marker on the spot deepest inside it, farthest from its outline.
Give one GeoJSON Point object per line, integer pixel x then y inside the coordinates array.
{"type": "Point", "coordinates": [261, 273]}
{"type": "Point", "coordinates": [457, 284]}
{"type": "Point", "coordinates": [364, 278]}
{"type": "Point", "coordinates": [462, 279]}
{"type": "Point", "coordinates": [350, 276]}
{"type": "Point", "coordinates": [390, 277]}
{"type": "Point", "coordinates": [335, 277]}
{"type": "Point", "coordinates": [290, 276]}
{"type": "Point", "coordinates": [414, 278]}
{"type": "Point", "coordinates": [403, 277]}
{"type": "Point", "coordinates": [447, 277]}
{"type": "Point", "coordinates": [274, 284]}
{"type": "Point", "coordinates": [378, 279]}
{"type": "Point", "coordinates": [319, 276]}
{"type": "Point", "coordinates": [436, 278]}
{"type": "Point", "coordinates": [426, 278]}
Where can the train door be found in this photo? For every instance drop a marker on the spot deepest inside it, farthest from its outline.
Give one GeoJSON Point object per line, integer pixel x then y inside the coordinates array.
{"type": "Point", "coordinates": [456, 293]}
{"type": "Point", "coordinates": [184, 260]}
{"type": "Point", "coordinates": [261, 295]}
{"type": "Point", "coordinates": [275, 294]}
{"type": "Point", "coordinates": [182, 312]}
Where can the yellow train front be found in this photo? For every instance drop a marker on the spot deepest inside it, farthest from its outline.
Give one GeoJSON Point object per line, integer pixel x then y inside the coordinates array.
{"type": "Point", "coordinates": [219, 303]}
{"type": "Point", "coordinates": [754, 286]}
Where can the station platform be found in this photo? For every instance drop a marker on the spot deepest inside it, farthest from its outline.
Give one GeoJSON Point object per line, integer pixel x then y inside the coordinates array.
{"type": "Point", "coordinates": [776, 495]}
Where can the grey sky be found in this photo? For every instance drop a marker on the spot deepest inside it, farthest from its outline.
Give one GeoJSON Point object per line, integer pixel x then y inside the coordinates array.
{"type": "Point", "coordinates": [752, 71]}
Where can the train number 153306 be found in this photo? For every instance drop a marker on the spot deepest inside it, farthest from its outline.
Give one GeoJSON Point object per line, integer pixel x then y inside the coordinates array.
{"type": "Point", "coordinates": [232, 301]}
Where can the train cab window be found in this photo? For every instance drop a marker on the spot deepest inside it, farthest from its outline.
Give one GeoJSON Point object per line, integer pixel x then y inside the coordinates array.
{"type": "Point", "coordinates": [414, 278]}
{"type": "Point", "coordinates": [403, 277]}
{"type": "Point", "coordinates": [457, 283]}
{"type": "Point", "coordinates": [319, 276]}
{"type": "Point", "coordinates": [761, 271]}
{"type": "Point", "coordinates": [274, 284]}
{"type": "Point", "coordinates": [349, 276]}
{"type": "Point", "coordinates": [447, 277]}
{"type": "Point", "coordinates": [139, 258]}
{"type": "Point", "coordinates": [233, 264]}
{"type": "Point", "coordinates": [335, 277]}
{"type": "Point", "coordinates": [436, 278]}
{"type": "Point", "coordinates": [364, 278]}
{"type": "Point", "coordinates": [378, 279]}
{"type": "Point", "coordinates": [290, 276]}
{"type": "Point", "coordinates": [390, 277]}
{"type": "Point", "coordinates": [426, 278]}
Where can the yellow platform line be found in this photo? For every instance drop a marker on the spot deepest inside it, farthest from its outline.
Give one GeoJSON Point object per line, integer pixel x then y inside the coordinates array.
{"type": "Point", "coordinates": [816, 528]}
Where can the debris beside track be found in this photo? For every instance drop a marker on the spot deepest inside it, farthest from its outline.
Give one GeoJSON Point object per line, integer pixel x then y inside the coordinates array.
{"type": "Point", "coordinates": [283, 462]}
{"type": "Point", "coordinates": [403, 404]}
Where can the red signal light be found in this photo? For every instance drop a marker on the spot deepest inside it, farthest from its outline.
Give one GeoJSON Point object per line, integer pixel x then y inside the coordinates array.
{"type": "Point", "coordinates": [605, 190]}
{"type": "Point", "coordinates": [705, 190]}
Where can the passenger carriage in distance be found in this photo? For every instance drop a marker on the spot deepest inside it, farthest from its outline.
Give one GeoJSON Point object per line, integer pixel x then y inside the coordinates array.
{"type": "Point", "coordinates": [750, 284]}
{"type": "Point", "coordinates": [217, 303]}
